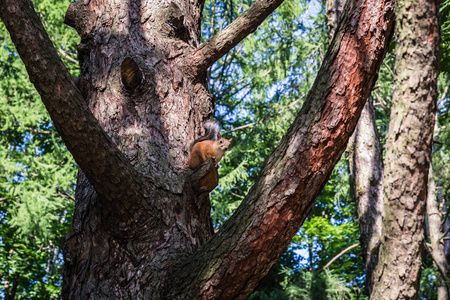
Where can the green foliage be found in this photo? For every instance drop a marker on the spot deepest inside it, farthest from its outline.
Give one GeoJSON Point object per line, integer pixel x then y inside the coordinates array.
{"type": "Point", "coordinates": [331, 227]}
{"type": "Point", "coordinates": [306, 285]}
{"type": "Point", "coordinates": [37, 173]}
{"type": "Point", "coordinates": [445, 35]}
{"type": "Point", "coordinates": [258, 88]}
{"type": "Point", "coordinates": [428, 280]}
{"type": "Point", "coordinates": [318, 286]}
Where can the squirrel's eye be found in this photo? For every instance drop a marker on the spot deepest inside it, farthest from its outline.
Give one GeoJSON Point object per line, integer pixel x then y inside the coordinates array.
{"type": "Point", "coordinates": [221, 141]}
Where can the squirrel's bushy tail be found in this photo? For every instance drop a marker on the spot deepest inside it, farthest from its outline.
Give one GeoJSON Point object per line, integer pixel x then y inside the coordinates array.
{"type": "Point", "coordinates": [212, 128]}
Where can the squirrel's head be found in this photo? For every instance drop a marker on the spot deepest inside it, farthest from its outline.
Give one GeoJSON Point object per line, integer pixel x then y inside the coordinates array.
{"type": "Point", "coordinates": [223, 144]}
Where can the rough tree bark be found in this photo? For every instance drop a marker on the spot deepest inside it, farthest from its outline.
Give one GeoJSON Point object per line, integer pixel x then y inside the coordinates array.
{"type": "Point", "coordinates": [408, 150]}
{"type": "Point", "coordinates": [333, 13]}
{"type": "Point", "coordinates": [140, 231]}
{"type": "Point", "coordinates": [366, 169]}
{"type": "Point", "coordinates": [436, 247]}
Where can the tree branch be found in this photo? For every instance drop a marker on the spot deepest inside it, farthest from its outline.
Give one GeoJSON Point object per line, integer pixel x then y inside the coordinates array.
{"type": "Point", "coordinates": [340, 254]}
{"type": "Point", "coordinates": [444, 234]}
{"type": "Point", "coordinates": [64, 195]}
{"type": "Point", "coordinates": [8, 198]}
{"type": "Point", "coordinates": [209, 52]}
{"type": "Point", "coordinates": [67, 56]}
{"type": "Point", "coordinates": [266, 118]}
{"type": "Point", "coordinates": [94, 151]}
{"type": "Point", "coordinates": [436, 248]}
{"type": "Point", "coordinates": [231, 264]}
{"type": "Point", "coordinates": [445, 217]}
{"type": "Point", "coordinates": [441, 269]}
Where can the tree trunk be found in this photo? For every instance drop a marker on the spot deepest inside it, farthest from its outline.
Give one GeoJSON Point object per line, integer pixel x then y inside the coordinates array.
{"type": "Point", "coordinates": [366, 169]}
{"type": "Point", "coordinates": [408, 150]}
{"type": "Point", "coordinates": [437, 250]}
{"type": "Point", "coordinates": [333, 13]}
{"type": "Point", "coordinates": [140, 231]}
{"type": "Point", "coordinates": [152, 112]}
{"type": "Point", "coordinates": [446, 229]}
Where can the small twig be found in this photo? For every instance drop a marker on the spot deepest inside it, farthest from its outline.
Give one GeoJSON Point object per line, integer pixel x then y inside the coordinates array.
{"type": "Point", "coordinates": [340, 254]}
{"type": "Point", "coordinates": [444, 234]}
{"type": "Point", "coordinates": [40, 131]}
{"type": "Point", "coordinates": [61, 51]}
{"type": "Point", "coordinates": [382, 103]}
{"type": "Point", "coordinates": [239, 196]}
{"type": "Point", "coordinates": [268, 117]}
{"type": "Point", "coordinates": [69, 58]}
{"type": "Point", "coordinates": [64, 195]}
{"type": "Point", "coordinates": [43, 20]}
{"type": "Point", "coordinates": [241, 127]}
{"type": "Point", "coordinates": [389, 69]}
{"type": "Point", "coordinates": [8, 198]}
{"type": "Point", "coordinates": [443, 95]}
{"type": "Point", "coordinates": [445, 218]}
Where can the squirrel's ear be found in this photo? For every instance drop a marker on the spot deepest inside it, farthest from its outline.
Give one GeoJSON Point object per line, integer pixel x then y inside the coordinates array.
{"type": "Point", "coordinates": [219, 136]}
{"type": "Point", "coordinates": [230, 140]}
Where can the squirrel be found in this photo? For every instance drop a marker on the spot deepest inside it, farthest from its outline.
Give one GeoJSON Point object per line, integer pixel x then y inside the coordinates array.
{"type": "Point", "coordinates": [206, 147]}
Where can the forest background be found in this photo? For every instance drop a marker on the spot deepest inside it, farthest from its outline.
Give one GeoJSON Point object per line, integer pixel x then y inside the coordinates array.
{"type": "Point", "coordinates": [258, 89]}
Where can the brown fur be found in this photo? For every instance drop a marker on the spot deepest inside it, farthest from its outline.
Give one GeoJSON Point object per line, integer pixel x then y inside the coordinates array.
{"type": "Point", "coordinates": [206, 149]}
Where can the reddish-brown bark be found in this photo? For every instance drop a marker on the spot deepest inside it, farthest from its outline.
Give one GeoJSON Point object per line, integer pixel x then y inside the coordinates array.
{"type": "Point", "coordinates": [151, 238]}
{"type": "Point", "coordinates": [366, 169]}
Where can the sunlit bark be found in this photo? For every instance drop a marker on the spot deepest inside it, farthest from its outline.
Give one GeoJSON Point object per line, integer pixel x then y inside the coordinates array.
{"type": "Point", "coordinates": [408, 150]}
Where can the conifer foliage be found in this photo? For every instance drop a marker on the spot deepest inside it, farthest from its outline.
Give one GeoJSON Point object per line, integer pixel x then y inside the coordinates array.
{"type": "Point", "coordinates": [37, 173]}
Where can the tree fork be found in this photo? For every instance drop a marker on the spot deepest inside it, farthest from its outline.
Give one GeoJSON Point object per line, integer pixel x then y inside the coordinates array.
{"type": "Point", "coordinates": [295, 173]}
{"type": "Point", "coordinates": [71, 117]}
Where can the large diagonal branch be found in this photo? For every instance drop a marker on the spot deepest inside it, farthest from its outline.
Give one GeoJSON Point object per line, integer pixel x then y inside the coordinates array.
{"type": "Point", "coordinates": [231, 264]}
{"type": "Point", "coordinates": [209, 52]}
{"type": "Point", "coordinates": [103, 163]}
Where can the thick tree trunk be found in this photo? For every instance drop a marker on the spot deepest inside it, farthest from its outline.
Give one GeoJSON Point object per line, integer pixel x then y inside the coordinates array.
{"type": "Point", "coordinates": [437, 250]}
{"type": "Point", "coordinates": [366, 169]}
{"type": "Point", "coordinates": [140, 231]}
{"type": "Point", "coordinates": [152, 120]}
{"type": "Point", "coordinates": [408, 150]}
